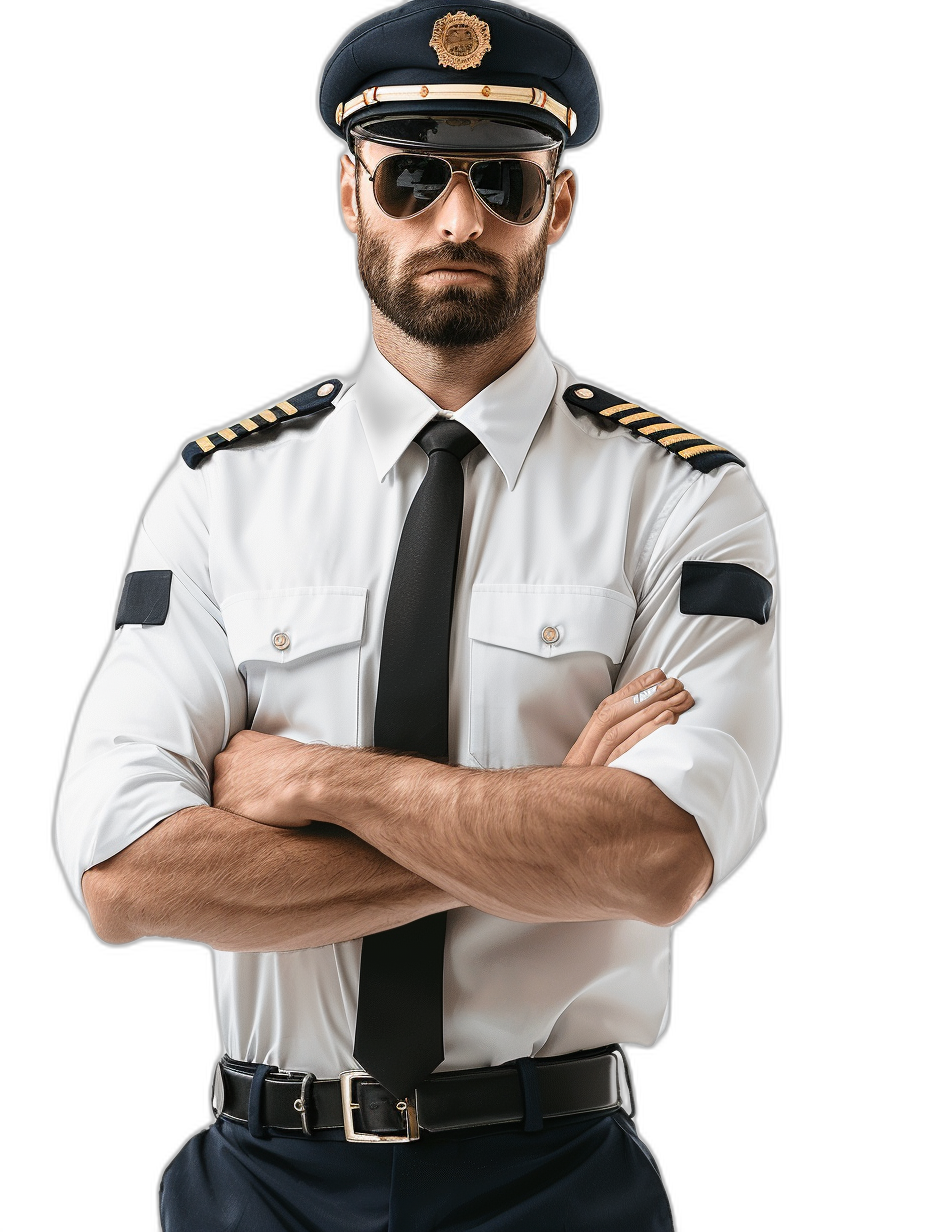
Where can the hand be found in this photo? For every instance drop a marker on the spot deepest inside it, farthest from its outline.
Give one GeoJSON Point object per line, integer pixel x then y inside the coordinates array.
{"type": "Point", "coordinates": [264, 777]}
{"type": "Point", "coordinates": [626, 717]}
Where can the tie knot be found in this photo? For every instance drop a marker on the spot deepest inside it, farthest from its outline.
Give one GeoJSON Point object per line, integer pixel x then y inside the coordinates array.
{"type": "Point", "coordinates": [447, 435]}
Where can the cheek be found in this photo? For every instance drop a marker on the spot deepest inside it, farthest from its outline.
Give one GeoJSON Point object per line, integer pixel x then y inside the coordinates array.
{"type": "Point", "coordinates": [513, 244]}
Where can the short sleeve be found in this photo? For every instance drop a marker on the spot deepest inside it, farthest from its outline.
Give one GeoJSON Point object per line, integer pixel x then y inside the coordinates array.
{"type": "Point", "coordinates": [165, 699]}
{"type": "Point", "coordinates": [713, 626]}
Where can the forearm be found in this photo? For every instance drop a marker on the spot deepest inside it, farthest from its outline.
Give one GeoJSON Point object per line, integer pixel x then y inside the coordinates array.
{"type": "Point", "coordinates": [544, 844]}
{"type": "Point", "coordinates": [208, 875]}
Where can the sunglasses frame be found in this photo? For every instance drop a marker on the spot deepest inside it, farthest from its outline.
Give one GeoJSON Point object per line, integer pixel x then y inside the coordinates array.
{"type": "Point", "coordinates": [468, 161]}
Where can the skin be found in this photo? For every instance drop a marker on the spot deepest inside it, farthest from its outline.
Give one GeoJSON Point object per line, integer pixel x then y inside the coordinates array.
{"type": "Point", "coordinates": [306, 845]}
{"type": "Point", "coordinates": [453, 376]}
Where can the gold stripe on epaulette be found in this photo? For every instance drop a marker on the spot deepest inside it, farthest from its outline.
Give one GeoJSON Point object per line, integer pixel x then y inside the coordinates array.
{"type": "Point", "coordinates": [679, 436]}
{"type": "Point", "coordinates": [287, 408]}
{"type": "Point", "coordinates": [695, 449]}
{"type": "Point", "coordinates": [228, 434]}
{"type": "Point", "coordinates": [269, 416]}
{"type": "Point", "coordinates": [205, 443]}
{"type": "Point", "coordinates": [619, 406]}
{"type": "Point", "coordinates": [249, 425]}
{"type": "Point", "coordinates": [650, 429]}
{"type": "Point", "coordinates": [630, 419]}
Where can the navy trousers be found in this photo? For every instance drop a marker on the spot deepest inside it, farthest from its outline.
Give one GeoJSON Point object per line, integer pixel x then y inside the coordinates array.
{"type": "Point", "coordinates": [591, 1174]}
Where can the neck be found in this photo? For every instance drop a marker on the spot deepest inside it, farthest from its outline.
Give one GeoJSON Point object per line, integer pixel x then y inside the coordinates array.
{"type": "Point", "coordinates": [451, 376]}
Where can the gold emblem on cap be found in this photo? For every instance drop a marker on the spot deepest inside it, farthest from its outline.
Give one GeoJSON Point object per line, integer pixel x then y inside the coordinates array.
{"type": "Point", "coordinates": [460, 40]}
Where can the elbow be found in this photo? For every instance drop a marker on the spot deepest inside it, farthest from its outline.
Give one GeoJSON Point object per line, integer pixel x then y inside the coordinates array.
{"type": "Point", "coordinates": [106, 905]}
{"type": "Point", "coordinates": [683, 876]}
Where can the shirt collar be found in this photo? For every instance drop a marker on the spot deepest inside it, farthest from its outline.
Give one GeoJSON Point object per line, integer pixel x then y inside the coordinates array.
{"type": "Point", "coordinates": [504, 417]}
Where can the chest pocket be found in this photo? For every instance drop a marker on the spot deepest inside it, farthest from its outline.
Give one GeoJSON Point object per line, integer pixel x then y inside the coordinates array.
{"type": "Point", "coordinates": [542, 659]}
{"type": "Point", "coordinates": [299, 651]}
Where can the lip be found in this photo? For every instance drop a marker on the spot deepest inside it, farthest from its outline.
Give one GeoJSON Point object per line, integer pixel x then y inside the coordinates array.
{"type": "Point", "coordinates": [452, 272]}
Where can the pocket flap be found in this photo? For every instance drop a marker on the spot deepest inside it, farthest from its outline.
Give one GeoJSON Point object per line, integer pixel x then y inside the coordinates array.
{"type": "Point", "coordinates": [552, 620]}
{"type": "Point", "coordinates": [282, 625]}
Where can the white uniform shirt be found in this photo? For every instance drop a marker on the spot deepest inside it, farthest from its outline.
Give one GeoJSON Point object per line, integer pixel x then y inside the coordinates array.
{"type": "Point", "coordinates": [569, 522]}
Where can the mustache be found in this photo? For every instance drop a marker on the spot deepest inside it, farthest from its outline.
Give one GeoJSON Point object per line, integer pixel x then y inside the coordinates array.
{"type": "Point", "coordinates": [468, 253]}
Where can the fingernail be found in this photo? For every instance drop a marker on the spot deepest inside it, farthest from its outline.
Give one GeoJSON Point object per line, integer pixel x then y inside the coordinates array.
{"type": "Point", "coordinates": [665, 684]}
{"type": "Point", "coordinates": [645, 694]}
{"type": "Point", "coordinates": [665, 717]}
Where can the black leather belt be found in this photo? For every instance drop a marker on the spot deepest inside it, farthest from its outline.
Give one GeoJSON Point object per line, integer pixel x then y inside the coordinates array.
{"type": "Point", "coordinates": [527, 1092]}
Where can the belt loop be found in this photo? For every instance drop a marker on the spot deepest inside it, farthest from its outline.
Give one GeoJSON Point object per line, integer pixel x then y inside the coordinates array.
{"type": "Point", "coordinates": [531, 1095]}
{"type": "Point", "coordinates": [255, 1128]}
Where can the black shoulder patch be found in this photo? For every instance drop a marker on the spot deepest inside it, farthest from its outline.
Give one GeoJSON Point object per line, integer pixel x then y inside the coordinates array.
{"type": "Point", "coordinates": [309, 402]}
{"type": "Point", "coordinates": [146, 597]}
{"type": "Point", "coordinates": [693, 448]}
{"type": "Point", "coordinates": [716, 588]}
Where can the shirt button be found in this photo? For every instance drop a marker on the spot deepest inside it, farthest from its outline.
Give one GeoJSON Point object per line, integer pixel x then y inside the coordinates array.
{"type": "Point", "coordinates": [281, 641]}
{"type": "Point", "coordinates": [549, 635]}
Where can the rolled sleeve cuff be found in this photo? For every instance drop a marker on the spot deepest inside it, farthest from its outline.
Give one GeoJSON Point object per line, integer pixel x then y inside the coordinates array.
{"type": "Point", "coordinates": [115, 799]}
{"type": "Point", "coordinates": [706, 772]}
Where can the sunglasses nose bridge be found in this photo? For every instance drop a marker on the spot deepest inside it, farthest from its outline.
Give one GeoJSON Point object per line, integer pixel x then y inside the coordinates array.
{"type": "Point", "coordinates": [460, 218]}
{"type": "Point", "coordinates": [446, 191]}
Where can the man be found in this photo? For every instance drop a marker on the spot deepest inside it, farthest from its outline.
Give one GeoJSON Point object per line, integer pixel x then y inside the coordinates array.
{"type": "Point", "coordinates": [362, 688]}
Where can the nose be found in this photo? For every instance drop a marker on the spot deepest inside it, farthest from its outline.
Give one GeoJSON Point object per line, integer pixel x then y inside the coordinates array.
{"type": "Point", "coordinates": [458, 216]}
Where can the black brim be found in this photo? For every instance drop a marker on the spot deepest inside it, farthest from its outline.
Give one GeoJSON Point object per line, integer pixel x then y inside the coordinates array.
{"type": "Point", "coordinates": [414, 125]}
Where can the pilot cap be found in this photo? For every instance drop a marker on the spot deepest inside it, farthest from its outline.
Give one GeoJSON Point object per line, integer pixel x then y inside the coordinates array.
{"type": "Point", "coordinates": [422, 74]}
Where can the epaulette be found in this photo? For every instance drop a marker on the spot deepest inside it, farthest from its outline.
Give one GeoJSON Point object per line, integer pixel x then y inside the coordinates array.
{"type": "Point", "coordinates": [690, 446]}
{"type": "Point", "coordinates": [309, 402]}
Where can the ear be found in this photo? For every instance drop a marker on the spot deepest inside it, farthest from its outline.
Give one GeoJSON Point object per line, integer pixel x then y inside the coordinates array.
{"type": "Point", "coordinates": [348, 193]}
{"type": "Point", "coordinates": [565, 191]}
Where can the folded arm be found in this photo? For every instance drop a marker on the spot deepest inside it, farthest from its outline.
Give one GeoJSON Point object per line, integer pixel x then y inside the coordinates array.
{"type": "Point", "coordinates": [208, 875]}
{"type": "Point", "coordinates": [573, 842]}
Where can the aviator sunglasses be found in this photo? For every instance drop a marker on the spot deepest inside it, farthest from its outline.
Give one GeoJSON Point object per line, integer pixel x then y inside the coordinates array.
{"type": "Point", "coordinates": [514, 189]}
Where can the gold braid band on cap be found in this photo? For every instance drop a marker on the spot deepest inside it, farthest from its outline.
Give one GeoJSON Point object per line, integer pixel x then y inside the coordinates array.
{"type": "Point", "coordinates": [469, 91]}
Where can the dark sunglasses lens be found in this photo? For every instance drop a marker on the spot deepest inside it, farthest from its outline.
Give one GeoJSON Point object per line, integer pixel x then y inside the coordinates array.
{"type": "Point", "coordinates": [510, 187]}
{"type": "Point", "coordinates": [404, 184]}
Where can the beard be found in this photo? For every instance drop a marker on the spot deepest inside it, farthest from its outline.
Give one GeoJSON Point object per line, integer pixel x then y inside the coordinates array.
{"type": "Point", "coordinates": [451, 316]}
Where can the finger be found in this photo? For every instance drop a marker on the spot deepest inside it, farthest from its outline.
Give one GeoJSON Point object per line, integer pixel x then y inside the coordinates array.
{"type": "Point", "coordinates": [617, 735]}
{"type": "Point", "coordinates": [666, 718]}
{"type": "Point", "coordinates": [663, 689]}
{"type": "Point", "coordinates": [645, 681]}
{"type": "Point", "coordinates": [617, 708]}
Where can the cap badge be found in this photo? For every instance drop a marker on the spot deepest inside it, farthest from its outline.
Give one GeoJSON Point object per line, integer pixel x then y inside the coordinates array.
{"type": "Point", "coordinates": [460, 40]}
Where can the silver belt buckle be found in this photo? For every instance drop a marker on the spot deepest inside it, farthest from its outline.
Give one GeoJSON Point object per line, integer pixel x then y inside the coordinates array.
{"type": "Point", "coordinates": [349, 1107]}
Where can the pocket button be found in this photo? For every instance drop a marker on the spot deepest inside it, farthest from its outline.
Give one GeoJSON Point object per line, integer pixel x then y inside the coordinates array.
{"type": "Point", "coordinates": [550, 635]}
{"type": "Point", "coordinates": [281, 641]}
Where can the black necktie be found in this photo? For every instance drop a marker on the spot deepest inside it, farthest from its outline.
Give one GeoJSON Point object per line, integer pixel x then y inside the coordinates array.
{"type": "Point", "coordinates": [398, 1037]}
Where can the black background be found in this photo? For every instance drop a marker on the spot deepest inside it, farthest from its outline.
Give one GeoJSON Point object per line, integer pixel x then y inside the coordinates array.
{"type": "Point", "coordinates": [205, 272]}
